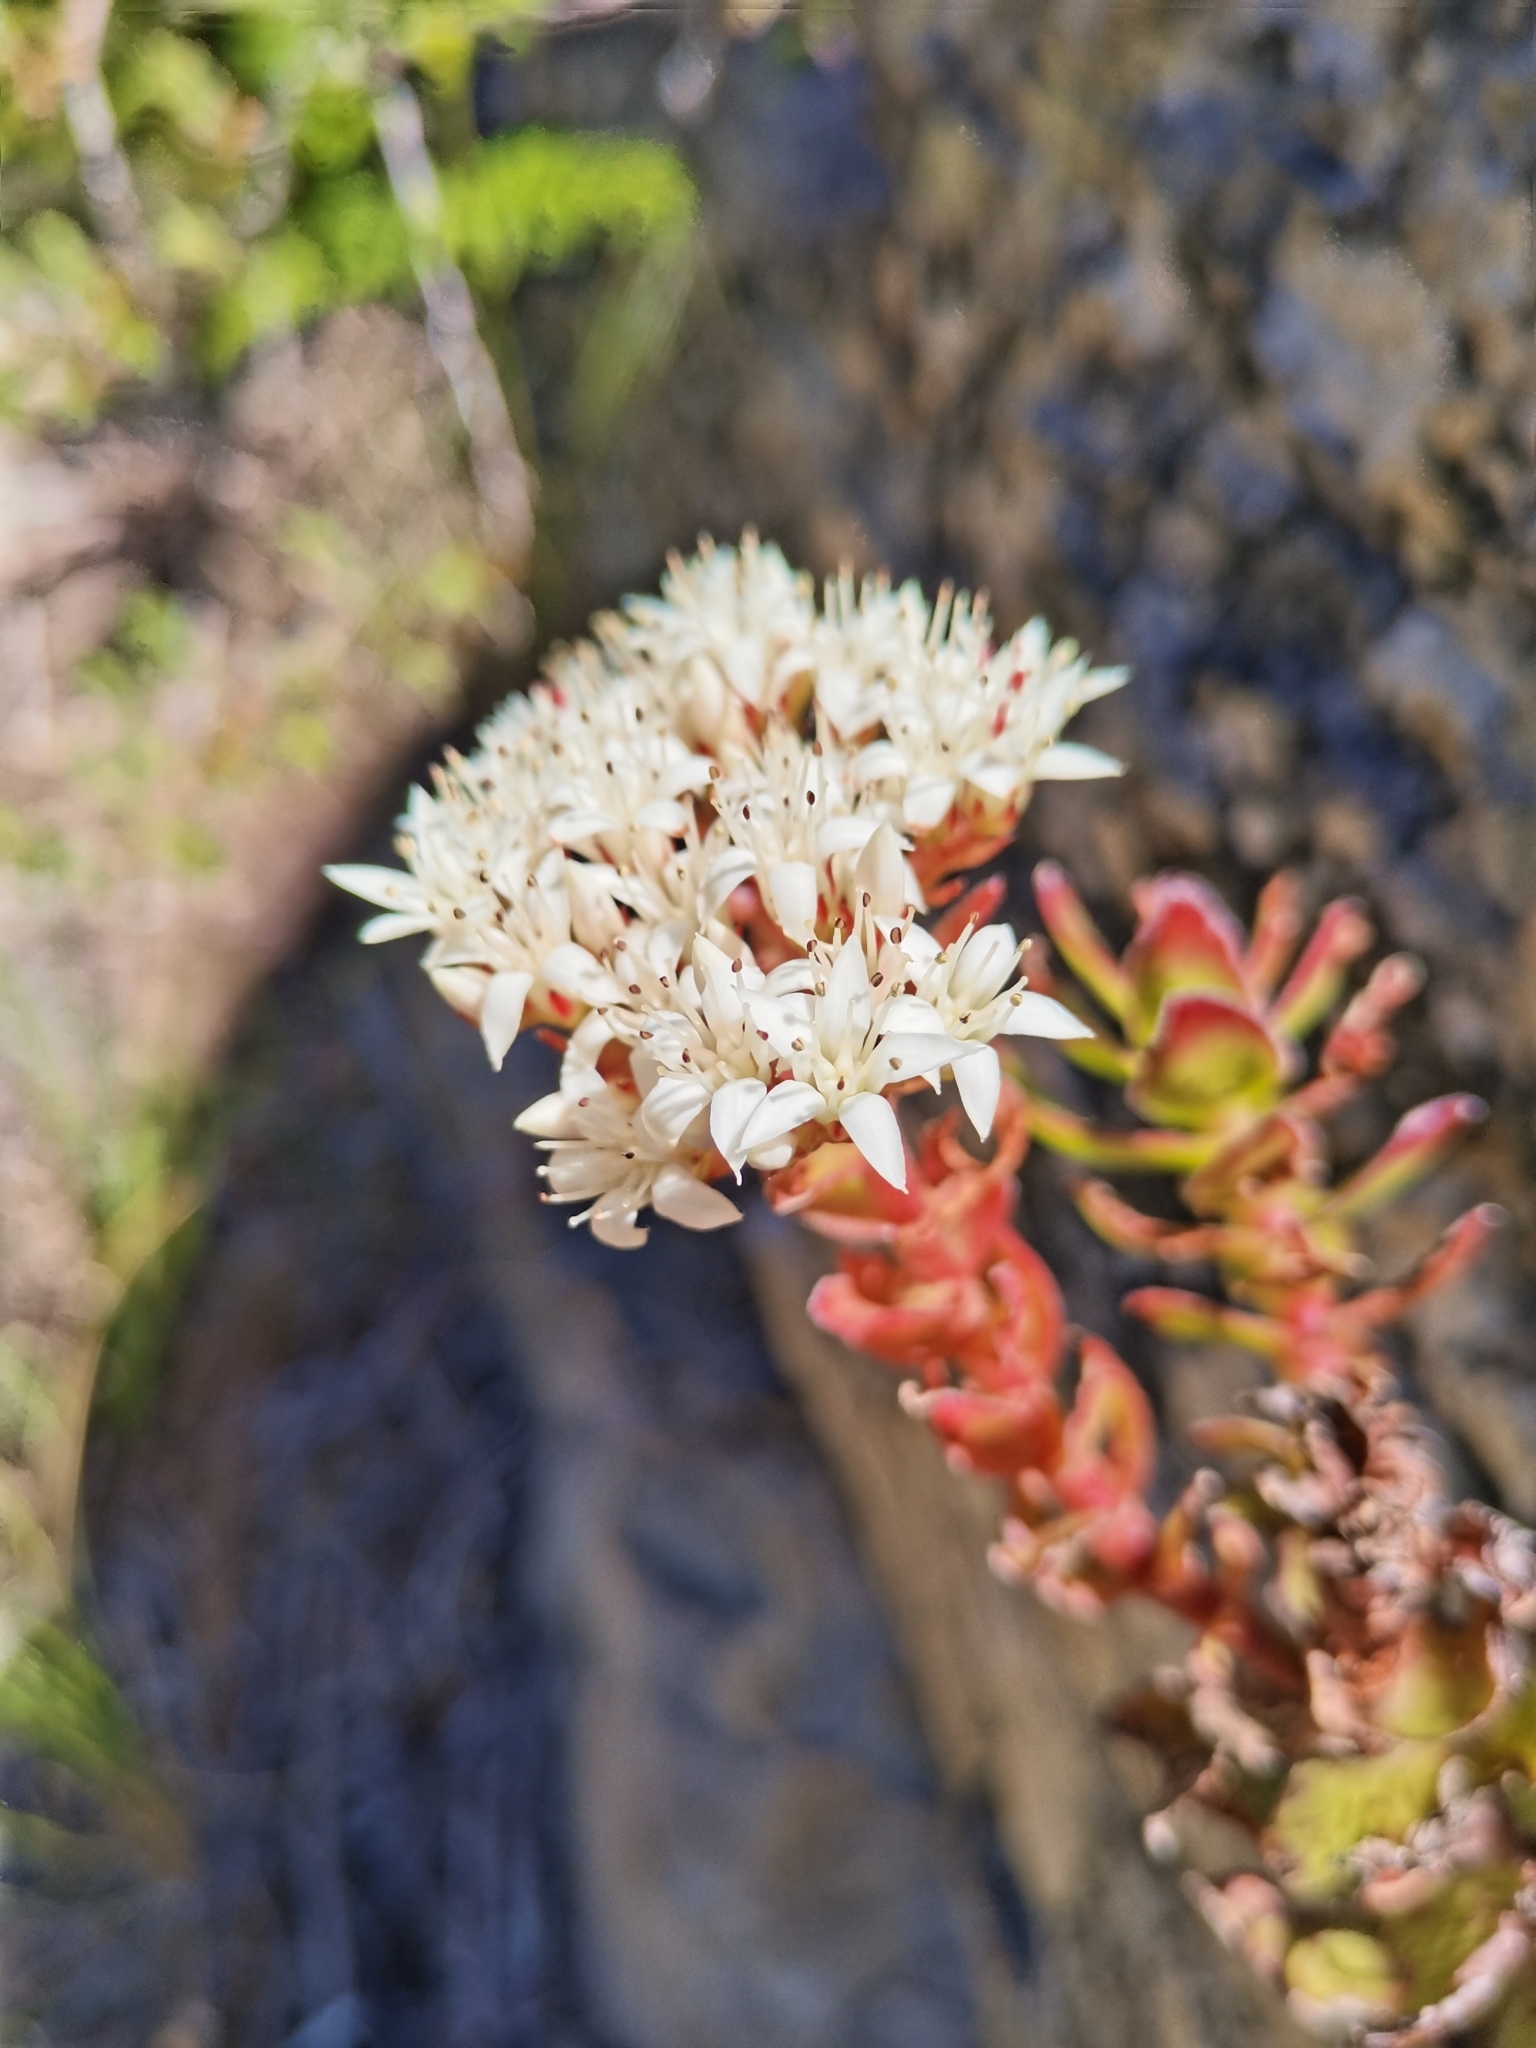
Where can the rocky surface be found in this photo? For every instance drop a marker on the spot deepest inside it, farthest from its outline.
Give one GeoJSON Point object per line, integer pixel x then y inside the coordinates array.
{"type": "Point", "coordinates": [485, 1599]}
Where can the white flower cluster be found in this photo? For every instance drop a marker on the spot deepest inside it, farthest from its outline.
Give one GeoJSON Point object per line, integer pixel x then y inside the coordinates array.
{"type": "Point", "coordinates": [699, 847]}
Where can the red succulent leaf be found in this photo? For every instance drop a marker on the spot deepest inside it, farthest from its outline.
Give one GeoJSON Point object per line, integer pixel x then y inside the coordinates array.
{"type": "Point", "coordinates": [1463, 1243]}
{"type": "Point", "coordinates": [1211, 1062]}
{"type": "Point", "coordinates": [1360, 1042]}
{"type": "Point", "coordinates": [1116, 1151]}
{"type": "Point", "coordinates": [966, 838]}
{"type": "Point", "coordinates": [996, 1433]}
{"type": "Point", "coordinates": [1079, 940]}
{"type": "Point", "coordinates": [1195, 1319]}
{"type": "Point", "coordinates": [1025, 1341]}
{"type": "Point", "coordinates": [1420, 1141]}
{"type": "Point", "coordinates": [979, 905]}
{"type": "Point", "coordinates": [1122, 1538]}
{"type": "Point", "coordinates": [1186, 938]}
{"type": "Point", "coordinates": [1131, 1231]}
{"type": "Point", "coordinates": [914, 1327]}
{"type": "Point", "coordinates": [833, 1192]}
{"type": "Point", "coordinates": [1342, 935]}
{"type": "Point", "coordinates": [1277, 925]}
{"type": "Point", "coordinates": [1282, 1147]}
{"type": "Point", "coordinates": [1109, 1443]}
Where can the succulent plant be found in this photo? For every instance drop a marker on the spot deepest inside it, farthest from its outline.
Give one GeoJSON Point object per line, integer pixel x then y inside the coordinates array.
{"type": "Point", "coordinates": [1356, 1707]}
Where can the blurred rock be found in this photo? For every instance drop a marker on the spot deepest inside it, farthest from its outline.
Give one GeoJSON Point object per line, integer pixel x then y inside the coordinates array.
{"type": "Point", "coordinates": [488, 1605]}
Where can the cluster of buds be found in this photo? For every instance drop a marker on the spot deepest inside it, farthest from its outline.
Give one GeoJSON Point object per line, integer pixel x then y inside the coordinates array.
{"type": "Point", "coordinates": [699, 851]}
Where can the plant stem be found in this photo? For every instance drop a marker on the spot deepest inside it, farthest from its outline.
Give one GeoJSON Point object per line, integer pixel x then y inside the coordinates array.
{"type": "Point", "coordinates": [501, 475]}
{"type": "Point", "coordinates": [104, 170]}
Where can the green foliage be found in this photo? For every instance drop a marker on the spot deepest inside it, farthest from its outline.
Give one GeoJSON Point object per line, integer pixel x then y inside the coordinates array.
{"type": "Point", "coordinates": [355, 223]}
{"type": "Point", "coordinates": [150, 641]}
{"type": "Point", "coordinates": [176, 79]}
{"type": "Point", "coordinates": [250, 132]}
{"type": "Point", "coordinates": [1432, 1944]}
{"type": "Point", "coordinates": [27, 1412]}
{"type": "Point", "coordinates": [283, 281]}
{"type": "Point", "coordinates": [56, 1699]}
{"type": "Point", "coordinates": [538, 199]}
{"type": "Point", "coordinates": [334, 131]}
{"type": "Point", "coordinates": [69, 329]}
{"type": "Point", "coordinates": [136, 1344]}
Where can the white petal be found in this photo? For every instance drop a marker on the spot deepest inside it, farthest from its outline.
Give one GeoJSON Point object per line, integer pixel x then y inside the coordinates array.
{"type": "Point", "coordinates": [742, 660]}
{"type": "Point", "coordinates": [907, 1055]}
{"type": "Point", "coordinates": [710, 960]}
{"type": "Point", "coordinates": [980, 1082]}
{"type": "Point", "coordinates": [501, 1014]}
{"type": "Point", "coordinates": [846, 984]}
{"type": "Point", "coordinates": [871, 1123]}
{"type": "Point", "coordinates": [985, 963]}
{"type": "Point", "coordinates": [999, 780]}
{"type": "Point", "coordinates": [690, 773]}
{"type": "Point", "coordinates": [549, 1117]}
{"type": "Point", "coordinates": [927, 802]}
{"type": "Point", "coordinates": [682, 1199]}
{"type": "Point", "coordinates": [461, 988]}
{"type": "Point", "coordinates": [782, 1110]}
{"type": "Point", "coordinates": [571, 971]}
{"type": "Point", "coordinates": [569, 828]}
{"type": "Point", "coordinates": [769, 1158]}
{"type": "Point", "coordinates": [791, 892]}
{"type": "Point", "coordinates": [1026, 1014]}
{"type": "Point", "coordinates": [725, 874]}
{"type": "Point", "coordinates": [730, 1111]}
{"type": "Point", "coordinates": [881, 874]}
{"type": "Point", "coordinates": [596, 920]}
{"type": "Point", "coordinates": [393, 925]}
{"type": "Point", "coordinates": [845, 835]}
{"type": "Point", "coordinates": [579, 1173]}
{"type": "Point", "coordinates": [880, 761]}
{"type": "Point", "coordinates": [671, 1107]}
{"type": "Point", "coordinates": [619, 1231]}
{"type": "Point", "coordinates": [663, 815]}
{"type": "Point", "coordinates": [1100, 681]}
{"type": "Point", "coordinates": [1068, 761]}
{"type": "Point", "coordinates": [909, 1013]}
{"type": "Point", "coordinates": [582, 1049]}
{"type": "Point", "coordinates": [783, 1018]}
{"type": "Point", "coordinates": [664, 945]}
{"type": "Point", "coordinates": [791, 978]}
{"type": "Point", "coordinates": [389, 888]}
